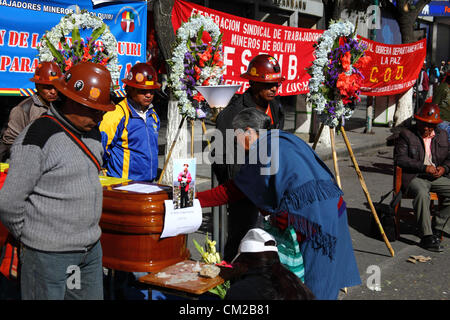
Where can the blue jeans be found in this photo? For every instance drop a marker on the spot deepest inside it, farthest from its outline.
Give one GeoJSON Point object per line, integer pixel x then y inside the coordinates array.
{"type": "Point", "coordinates": [61, 275]}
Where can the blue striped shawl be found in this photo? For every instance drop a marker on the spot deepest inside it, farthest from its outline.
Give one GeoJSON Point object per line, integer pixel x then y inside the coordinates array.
{"type": "Point", "coordinates": [301, 186]}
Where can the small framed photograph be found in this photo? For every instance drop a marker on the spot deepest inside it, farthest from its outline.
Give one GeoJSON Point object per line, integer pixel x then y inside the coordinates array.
{"type": "Point", "coordinates": [183, 182]}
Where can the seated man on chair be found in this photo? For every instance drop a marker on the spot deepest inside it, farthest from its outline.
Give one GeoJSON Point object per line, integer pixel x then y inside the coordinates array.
{"type": "Point", "coordinates": [422, 151]}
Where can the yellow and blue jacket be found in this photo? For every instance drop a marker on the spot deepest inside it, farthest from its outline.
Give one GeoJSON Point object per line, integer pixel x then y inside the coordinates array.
{"type": "Point", "coordinates": [130, 143]}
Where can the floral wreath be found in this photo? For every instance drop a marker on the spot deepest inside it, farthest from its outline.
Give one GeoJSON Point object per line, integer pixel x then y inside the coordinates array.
{"type": "Point", "coordinates": [335, 82]}
{"type": "Point", "coordinates": [195, 63]}
{"type": "Point", "coordinates": [103, 52]}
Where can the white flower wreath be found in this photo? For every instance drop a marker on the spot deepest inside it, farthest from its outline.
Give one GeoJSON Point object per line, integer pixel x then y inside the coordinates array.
{"type": "Point", "coordinates": [78, 21]}
{"type": "Point", "coordinates": [315, 96]}
{"type": "Point", "coordinates": [189, 30]}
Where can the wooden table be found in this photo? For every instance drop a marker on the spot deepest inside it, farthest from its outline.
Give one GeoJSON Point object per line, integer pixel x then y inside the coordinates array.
{"type": "Point", "coordinates": [180, 279]}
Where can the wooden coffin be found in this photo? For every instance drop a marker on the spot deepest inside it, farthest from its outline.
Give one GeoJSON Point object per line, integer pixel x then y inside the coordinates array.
{"type": "Point", "coordinates": [131, 225]}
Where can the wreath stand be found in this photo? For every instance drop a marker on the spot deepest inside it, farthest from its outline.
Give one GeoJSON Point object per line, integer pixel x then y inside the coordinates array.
{"type": "Point", "coordinates": [192, 122]}
{"type": "Point", "coordinates": [217, 97]}
{"type": "Point", "coordinates": [358, 172]}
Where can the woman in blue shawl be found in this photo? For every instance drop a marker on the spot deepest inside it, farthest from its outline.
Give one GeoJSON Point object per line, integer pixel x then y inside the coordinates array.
{"type": "Point", "coordinates": [285, 178]}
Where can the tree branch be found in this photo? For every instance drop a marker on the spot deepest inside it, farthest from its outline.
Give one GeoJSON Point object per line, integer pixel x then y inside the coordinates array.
{"type": "Point", "coordinates": [389, 6]}
{"type": "Point", "coordinates": [165, 35]}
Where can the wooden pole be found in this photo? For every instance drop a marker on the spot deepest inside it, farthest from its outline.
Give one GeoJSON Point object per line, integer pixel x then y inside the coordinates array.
{"type": "Point", "coordinates": [366, 192]}
{"type": "Point", "coordinates": [336, 170]}
{"type": "Point", "coordinates": [192, 138]}
{"type": "Point", "coordinates": [335, 162]}
{"type": "Point", "coordinates": [171, 149]}
{"type": "Point", "coordinates": [204, 132]}
{"type": "Point", "coordinates": [316, 138]}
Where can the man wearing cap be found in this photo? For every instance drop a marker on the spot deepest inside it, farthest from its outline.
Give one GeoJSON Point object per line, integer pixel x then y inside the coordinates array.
{"type": "Point", "coordinates": [422, 151]}
{"type": "Point", "coordinates": [130, 132]}
{"type": "Point", "coordinates": [33, 107]}
{"type": "Point", "coordinates": [422, 85]}
{"type": "Point", "coordinates": [258, 274]}
{"type": "Point", "coordinates": [264, 75]}
{"type": "Point", "coordinates": [52, 197]}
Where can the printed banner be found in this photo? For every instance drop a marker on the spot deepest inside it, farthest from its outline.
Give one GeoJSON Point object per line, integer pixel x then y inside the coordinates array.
{"type": "Point", "coordinates": [393, 68]}
{"type": "Point", "coordinates": [436, 9]}
{"type": "Point", "coordinates": [23, 23]}
{"type": "Point", "coordinates": [244, 38]}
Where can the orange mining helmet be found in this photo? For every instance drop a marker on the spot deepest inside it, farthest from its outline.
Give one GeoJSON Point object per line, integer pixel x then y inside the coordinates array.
{"type": "Point", "coordinates": [429, 113]}
{"type": "Point", "coordinates": [142, 76]}
{"type": "Point", "coordinates": [87, 83]}
{"type": "Point", "coordinates": [46, 72]}
{"type": "Point", "coordinates": [263, 68]}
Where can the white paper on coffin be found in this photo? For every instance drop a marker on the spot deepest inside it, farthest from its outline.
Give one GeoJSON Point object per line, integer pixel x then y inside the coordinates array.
{"type": "Point", "coordinates": [181, 221]}
{"type": "Point", "coordinates": [218, 96]}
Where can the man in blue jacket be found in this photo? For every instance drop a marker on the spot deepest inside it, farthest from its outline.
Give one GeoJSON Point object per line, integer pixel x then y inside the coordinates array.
{"type": "Point", "coordinates": [130, 132]}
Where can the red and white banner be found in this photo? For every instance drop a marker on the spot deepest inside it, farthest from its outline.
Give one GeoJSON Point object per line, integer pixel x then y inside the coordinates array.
{"type": "Point", "coordinates": [244, 38]}
{"type": "Point", "coordinates": [393, 68]}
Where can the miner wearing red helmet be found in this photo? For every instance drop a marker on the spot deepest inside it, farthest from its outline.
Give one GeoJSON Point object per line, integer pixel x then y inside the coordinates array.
{"type": "Point", "coordinates": [265, 77]}
{"type": "Point", "coordinates": [52, 196]}
{"type": "Point", "coordinates": [422, 151]}
{"type": "Point", "coordinates": [130, 132]}
{"type": "Point", "coordinates": [33, 107]}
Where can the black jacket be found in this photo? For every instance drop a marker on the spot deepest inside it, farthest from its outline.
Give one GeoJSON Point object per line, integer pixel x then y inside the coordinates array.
{"type": "Point", "coordinates": [253, 285]}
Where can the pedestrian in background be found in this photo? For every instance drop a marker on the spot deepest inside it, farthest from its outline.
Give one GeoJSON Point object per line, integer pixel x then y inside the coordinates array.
{"type": "Point", "coordinates": [433, 77]}
{"type": "Point", "coordinates": [442, 99]}
{"type": "Point", "coordinates": [33, 107]}
{"type": "Point", "coordinates": [423, 85]}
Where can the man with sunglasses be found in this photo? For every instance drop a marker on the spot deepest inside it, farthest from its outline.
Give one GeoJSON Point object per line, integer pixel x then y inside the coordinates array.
{"type": "Point", "coordinates": [52, 197]}
{"type": "Point", "coordinates": [264, 75]}
{"type": "Point", "coordinates": [130, 132]}
{"type": "Point", "coordinates": [33, 107]}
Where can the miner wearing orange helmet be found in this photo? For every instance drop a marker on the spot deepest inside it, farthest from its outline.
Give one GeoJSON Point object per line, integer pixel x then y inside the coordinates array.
{"type": "Point", "coordinates": [51, 200]}
{"type": "Point", "coordinates": [264, 76]}
{"type": "Point", "coordinates": [33, 107]}
{"type": "Point", "coordinates": [130, 132]}
{"type": "Point", "coordinates": [422, 151]}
